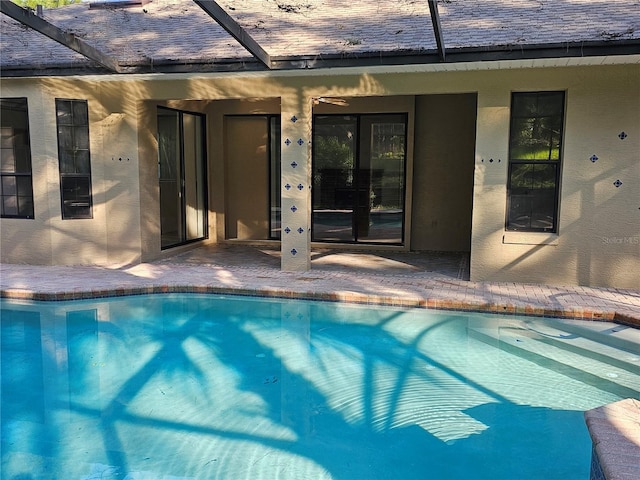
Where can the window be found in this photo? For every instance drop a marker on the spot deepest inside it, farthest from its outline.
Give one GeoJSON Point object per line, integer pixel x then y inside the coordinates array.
{"type": "Point", "coordinates": [16, 188]}
{"type": "Point", "coordinates": [535, 145]}
{"type": "Point", "coordinates": [73, 157]}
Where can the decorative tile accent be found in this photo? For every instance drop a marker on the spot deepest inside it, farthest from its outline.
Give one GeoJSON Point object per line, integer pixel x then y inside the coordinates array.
{"type": "Point", "coordinates": [300, 142]}
{"type": "Point", "coordinates": [294, 252]}
{"type": "Point", "coordinates": [294, 164]}
{"type": "Point", "coordinates": [300, 230]}
{"type": "Point", "coordinates": [287, 142]}
{"type": "Point", "coordinates": [294, 119]}
{"type": "Point", "coordinates": [622, 135]}
{"type": "Point", "coordinates": [594, 158]}
{"type": "Point", "coordinates": [294, 209]}
{"type": "Point", "coordinates": [617, 183]}
{"type": "Point", "coordinates": [287, 230]}
{"type": "Point", "coordinates": [287, 186]}
{"type": "Point", "coordinates": [300, 187]}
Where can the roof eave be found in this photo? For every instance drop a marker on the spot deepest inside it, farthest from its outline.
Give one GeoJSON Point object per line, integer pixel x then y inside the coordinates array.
{"type": "Point", "coordinates": [489, 53]}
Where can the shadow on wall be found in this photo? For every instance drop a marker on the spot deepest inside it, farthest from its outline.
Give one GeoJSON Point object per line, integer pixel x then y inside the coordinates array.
{"type": "Point", "coordinates": [602, 250]}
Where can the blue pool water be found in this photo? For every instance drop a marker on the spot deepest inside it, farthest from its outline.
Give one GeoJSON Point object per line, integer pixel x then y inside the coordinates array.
{"type": "Point", "coordinates": [210, 387]}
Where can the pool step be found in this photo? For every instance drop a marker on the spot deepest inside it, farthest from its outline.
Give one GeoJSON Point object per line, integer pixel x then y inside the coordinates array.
{"type": "Point", "coordinates": [597, 363]}
{"type": "Point", "coordinates": [609, 343]}
{"type": "Point", "coordinates": [620, 336]}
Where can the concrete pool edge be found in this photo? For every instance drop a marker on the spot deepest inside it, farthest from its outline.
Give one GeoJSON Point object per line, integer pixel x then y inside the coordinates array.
{"type": "Point", "coordinates": [615, 435]}
{"type": "Point", "coordinates": [578, 312]}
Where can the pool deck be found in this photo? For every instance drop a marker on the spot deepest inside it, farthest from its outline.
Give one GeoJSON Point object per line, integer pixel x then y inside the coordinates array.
{"type": "Point", "coordinates": [435, 280]}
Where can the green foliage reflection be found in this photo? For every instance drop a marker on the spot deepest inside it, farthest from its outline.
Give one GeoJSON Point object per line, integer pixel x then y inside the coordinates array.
{"type": "Point", "coordinates": [45, 3]}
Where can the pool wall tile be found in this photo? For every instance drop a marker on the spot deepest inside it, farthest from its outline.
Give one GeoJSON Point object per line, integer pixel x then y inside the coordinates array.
{"type": "Point", "coordinates": [596, 470]}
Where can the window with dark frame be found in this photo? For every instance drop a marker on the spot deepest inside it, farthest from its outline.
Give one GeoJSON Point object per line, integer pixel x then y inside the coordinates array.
{"type": "Point", "coordinates": [535, 153]}
{"type": "Point", "coordinates": [72, 118]}
{"type": "Point", "coordinates": [16, 186]}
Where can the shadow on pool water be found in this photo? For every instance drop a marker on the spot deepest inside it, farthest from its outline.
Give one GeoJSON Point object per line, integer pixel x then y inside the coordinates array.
{"type": "Point", "coordinates": [189, 386]}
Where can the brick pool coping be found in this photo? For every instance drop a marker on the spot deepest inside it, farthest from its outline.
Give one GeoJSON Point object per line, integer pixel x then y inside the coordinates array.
{"type": "Point", "coordinates": [615, 435]}
{"type": "Point", "coordinates": [579, 313]}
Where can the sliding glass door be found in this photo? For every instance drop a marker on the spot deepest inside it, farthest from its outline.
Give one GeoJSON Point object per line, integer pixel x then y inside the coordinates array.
{"type": "Point", "coordinates": [182, 175]}
{"type": "Point", "coordinates": [358, 178]}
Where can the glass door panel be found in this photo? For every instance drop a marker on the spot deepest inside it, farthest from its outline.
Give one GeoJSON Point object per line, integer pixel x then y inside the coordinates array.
{"type": "Point", "coordinates": [381, 179]}
{"type": "Point", "coordinates": [274, 182]}
{"type": "Point", "coordinates": [194, 193]}
{"type": "Point", "coordinates": [334, 190]}
{"type": "Point", "coordinates": [170, 175]}
{"type": "Point", "coordinates": [182, 177]}
{"type": "Point", "coordinates": [358, 178]}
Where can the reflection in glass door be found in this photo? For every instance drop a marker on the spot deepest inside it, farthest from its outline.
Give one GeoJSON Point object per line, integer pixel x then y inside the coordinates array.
{"type": "Point", "coordinates": [358, 178]}
{"type": "Point", "coordinates": [275, 217]}
{"type": "Point", "coordinates": [183, 188]}
{"type": "Point", "coordinates": [334, 154]}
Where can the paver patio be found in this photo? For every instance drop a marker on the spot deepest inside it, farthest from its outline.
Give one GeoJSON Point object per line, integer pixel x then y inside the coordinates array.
{"type": "Point", "coordinates": [402, 279]}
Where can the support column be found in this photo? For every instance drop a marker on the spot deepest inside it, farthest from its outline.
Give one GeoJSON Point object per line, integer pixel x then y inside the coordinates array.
{"type": "Point", "coordinates": [295, 180]}
{"type": "Point", "coordinates": [490, 183]}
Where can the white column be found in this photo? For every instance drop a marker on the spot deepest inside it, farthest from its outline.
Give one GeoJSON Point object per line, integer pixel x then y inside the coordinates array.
{"type": "Point", "coordinates": [295, 179]}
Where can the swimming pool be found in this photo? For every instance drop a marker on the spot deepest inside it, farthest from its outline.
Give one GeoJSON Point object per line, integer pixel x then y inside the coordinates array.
{"type": "Point", "coordinates": [186, 386]}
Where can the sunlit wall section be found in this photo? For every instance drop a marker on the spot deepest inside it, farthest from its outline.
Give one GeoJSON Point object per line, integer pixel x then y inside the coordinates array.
{"type": "Point", "coordinates": [597, 239]}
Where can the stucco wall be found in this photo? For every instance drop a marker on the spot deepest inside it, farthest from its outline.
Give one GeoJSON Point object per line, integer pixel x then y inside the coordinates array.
{"type": "Point", "coordinates": [25, 241]}
{"type": "Point", "coordinates": [247, 178]}
{"type": "Point", "coordinates": [598, 238]}
{"type": "Point", "coordinates": [47, 239]}
{"type": "Point", "coordinates": [443, 172]}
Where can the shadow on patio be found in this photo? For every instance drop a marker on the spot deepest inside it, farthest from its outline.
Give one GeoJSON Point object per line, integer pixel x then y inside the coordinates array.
{"type": "Point", "coordinates": [417, 264]}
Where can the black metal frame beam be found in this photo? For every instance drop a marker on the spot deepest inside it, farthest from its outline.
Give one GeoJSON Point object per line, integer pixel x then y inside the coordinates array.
{"type": "Point", "coordinates": [234, 29]}
{"type": "Point", "coordinates": [69, 40]}
{"type": "Point", "coordinates": [437, 28]}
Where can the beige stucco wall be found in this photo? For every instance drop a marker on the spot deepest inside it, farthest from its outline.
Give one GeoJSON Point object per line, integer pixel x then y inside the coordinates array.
{"type": "Point", "coordinates": [247, 178]}
{"type": "Point", "coordinates": [598, 239]}
{"type": "Point", "coordinates": [597, 242]}
{"type": "Point", "coordinates": [443, 172]}
{"type": "Point", "coordinates": [112, 236]}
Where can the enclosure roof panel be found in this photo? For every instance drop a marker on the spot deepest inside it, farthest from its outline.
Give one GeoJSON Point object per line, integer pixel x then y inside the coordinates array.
{"type": "Point", "coordinates": [178, 35]}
